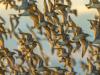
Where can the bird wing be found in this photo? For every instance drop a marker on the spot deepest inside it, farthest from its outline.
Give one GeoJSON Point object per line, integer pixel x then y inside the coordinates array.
{"type": "Point", "coordinates": [51, 6]}
{"type": "Point", "coordinates": [84, 48]}
{"type": "Point", "coordinates": [2, 19]}
{"type": "Point", "coordinates": [12, 24]}
{"type": "Point", "coordinates": [95, 1]}
{"type": "Point", "coordinates": [36, 20]}
{"type": "Point", "coordinates": [90, 65]}
{"type": "Point", "coordinates": [45, 7]}
{"type": "Point", "coordinates": [98, 9]}
{"type": "Point", "coordinates": [41, 49]}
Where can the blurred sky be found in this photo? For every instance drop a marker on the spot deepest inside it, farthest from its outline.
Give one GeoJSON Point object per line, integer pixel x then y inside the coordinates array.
{"type": "Point", "coordinates": [81, 20]}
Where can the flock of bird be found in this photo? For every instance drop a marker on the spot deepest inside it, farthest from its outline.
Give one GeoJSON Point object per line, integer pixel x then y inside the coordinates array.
{"type": "Point", "coordinates": [61, 32]}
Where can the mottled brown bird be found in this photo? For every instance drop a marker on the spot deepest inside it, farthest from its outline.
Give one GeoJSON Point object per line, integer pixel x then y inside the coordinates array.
{"type": "Point", "coordinates": [8, 2]}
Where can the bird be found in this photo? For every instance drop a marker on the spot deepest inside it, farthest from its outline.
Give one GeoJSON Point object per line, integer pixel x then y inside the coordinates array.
{"type": "Point", "coordinates": [1, 42]}
{"type": "Point", "coordinates": [84, 45]}
{"type": "Point", "coordinates": [39, 44]}
{"type": "Point", "coordinates": [60, 70]}
{"type": "Point", "coordinates": [60, 6]}
{"type": "Point", "coordinates": [93, 4]}
{"type": "Point", "coordinates": [36, 20]}
{"type": "Point", "coordinates": [2, 19]}
{"type": "Point", "coordinates": [91, 67]}
{"type": "Point", "coordinates": [3, 30]}
{"type": "Point", "coordinates": [83, 65]}
{"type": "Point", "coordinates": [69, 2]}
{"type": "Point", "coordinates": [24, 5]}
{"type": "Point", "coordinates": [12, 18]}
{"type": "Point", "coordinates": [93, 28]}
{"type": "Point", "coordinates": [55, 24]}
{"type": "Point", "coordinates": [95, 1]}
{"type": "Point", "coordinates": [55, 2]}
{"type": "Point", "coordinates": [43, 68]}
{"type": "Point", "coordinates": [46, 10]}
{"type": "Point", "coordinates": [73, 25]}
{"type": "Point", "coordinates": [8, 2]}
{"type": "Point", "coordinates": [81, 38]}
{"type": "Point", "coordinates": [78, 46]}
{"type": "Point", "coordinates": [2, 71]}
{"type": "Point", "coordinates": [51, 5]}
